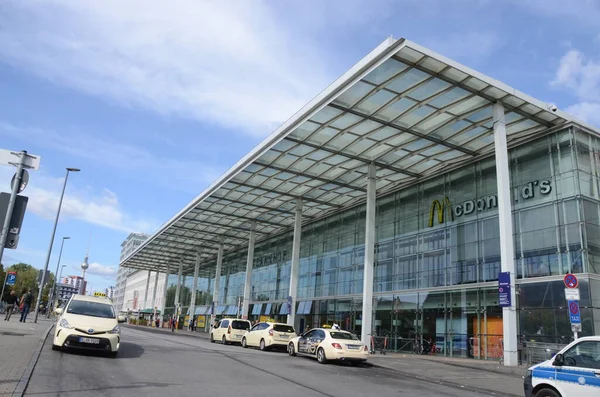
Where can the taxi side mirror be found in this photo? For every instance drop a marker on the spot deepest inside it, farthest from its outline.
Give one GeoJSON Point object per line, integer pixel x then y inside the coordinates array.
{"type": "Point", "coordinates": [58, 311]}
{"type": "Point", "coordinates": [559, 360]}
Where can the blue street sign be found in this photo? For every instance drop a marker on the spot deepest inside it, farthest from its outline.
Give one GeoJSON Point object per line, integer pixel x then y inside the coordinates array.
{"type": "Point", "coordinates": [574, 313]}
{"type": "Point", "coordinates": [11, 278]}
{"type": "Point", "coordinates": [504, 297]}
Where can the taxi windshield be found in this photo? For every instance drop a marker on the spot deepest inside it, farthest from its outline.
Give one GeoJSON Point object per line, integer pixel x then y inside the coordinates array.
{"type": "Point", "coordinates": [93, 309]}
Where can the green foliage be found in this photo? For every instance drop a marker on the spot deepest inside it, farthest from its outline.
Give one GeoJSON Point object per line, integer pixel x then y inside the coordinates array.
{"type": "Point", "coordinates": [27, 279]}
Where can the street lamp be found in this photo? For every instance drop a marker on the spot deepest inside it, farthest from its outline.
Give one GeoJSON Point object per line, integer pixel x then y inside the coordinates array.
{"type": "Point", "coordinates": [39, 298]}
{"type": "Point", "coordinates": [52, 293]}
{"type": "Point", "coordinates": [60, 277]}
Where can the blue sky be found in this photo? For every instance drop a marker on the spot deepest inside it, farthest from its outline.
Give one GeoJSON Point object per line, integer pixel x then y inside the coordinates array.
{"type": "Point", "coordinates": [154, 101]}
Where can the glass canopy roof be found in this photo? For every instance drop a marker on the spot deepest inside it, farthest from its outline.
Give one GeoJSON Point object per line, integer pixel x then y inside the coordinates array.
{"type": "Point", "coordinates": [409, 111]}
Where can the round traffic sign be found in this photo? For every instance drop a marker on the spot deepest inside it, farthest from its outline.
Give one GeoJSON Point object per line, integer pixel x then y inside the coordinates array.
{"type": "Point", "coordinates": [24, 181]}
{"type": "Point", "coordinates": [574, 308]}
{"type": "Point", "coordinates": [571, 281]}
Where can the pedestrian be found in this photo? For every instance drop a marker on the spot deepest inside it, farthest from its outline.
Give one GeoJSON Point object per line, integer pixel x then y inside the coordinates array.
{"type": "Point", "coordinates": [194, 325]}
{"type": "Point", "coordinates": [157, 322]}
{"type": "Point", "coordinates": [26, 302]}
{"type": "Point", "coordinates": [11, 301]}
{"type": "Point", "coordinates": [173, 324]}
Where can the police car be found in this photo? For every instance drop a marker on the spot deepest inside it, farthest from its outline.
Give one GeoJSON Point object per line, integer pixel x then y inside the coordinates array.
{"type": "Point", "coordinates": [574, 371]}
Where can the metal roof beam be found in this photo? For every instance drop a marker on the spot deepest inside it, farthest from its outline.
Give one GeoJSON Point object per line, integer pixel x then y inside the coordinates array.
{"type": "Point", "coordinates": [200, 239]}
{"type": "Point", "coordinates": [218, 225]}
{"type": "Point", "coordinates": [199, 211]}
{"type": "Point", "coordinates": [324, 180]}
{"type": "Point", "coordinates": [204, 232]}
{"type": "Point", "coordinates": [405, 130]}
{"type": "Point", "coordinates": [353, 157]}
{"type": "Point", "coordinates": [474, 91]}
{"type": "Point", "coordinates": [316, 201]}
{"type": "Point", "coordinates": [263, 207]}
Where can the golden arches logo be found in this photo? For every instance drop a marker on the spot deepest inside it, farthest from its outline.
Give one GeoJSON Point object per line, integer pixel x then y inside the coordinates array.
{"type": "Point", "coordinates": [441, 208]}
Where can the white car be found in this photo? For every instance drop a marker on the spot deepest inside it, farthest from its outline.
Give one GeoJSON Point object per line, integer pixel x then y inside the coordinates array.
{"type": "Point", "coordinates": [88, 322]}
{"type": "Point", "coordinates": [229, 330]}
{"type": "Point", "coordinates": [327, 344]}
{"type": "Point", "coordinates": [574, 371]}
{"type": "Point", "coordinates": [267, 335]}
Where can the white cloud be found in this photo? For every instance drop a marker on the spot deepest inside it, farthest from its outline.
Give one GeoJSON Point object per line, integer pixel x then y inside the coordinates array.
{"type": "Point", "coordinates": [98, 269]}
{"type": "Point", "coordinates": [117, 155]}
{"type": "Point", "coordinates": [588, 112]}
{"type": "Point", "coordinates": [226, 62]}
{"type": "Point", "coordinates": [87, 205]}
{"type": "Point", "coordinates": [581, 76]}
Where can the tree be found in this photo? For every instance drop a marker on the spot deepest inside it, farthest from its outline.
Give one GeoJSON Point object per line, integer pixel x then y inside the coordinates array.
{"type": "Point", "coordinates": [27, 279]}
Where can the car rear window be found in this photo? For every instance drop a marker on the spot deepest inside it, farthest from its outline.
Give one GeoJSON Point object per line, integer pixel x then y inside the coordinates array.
{"type": "Point", "coordinates": [240, 325]}
{"type": "Point", "coordinates": [283, 328]}
{"type": "Point", "coordinates": [343, 335]}
{"type": "Point", "coordinates": [93, 309]}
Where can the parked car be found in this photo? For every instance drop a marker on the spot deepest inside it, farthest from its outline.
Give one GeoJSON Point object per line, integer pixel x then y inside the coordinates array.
{"type": "Point", "coordinates": [267, 335]}
{"type": "Point", "coordinates": [326, 344]}
{"type": "Point", "coordinates": [229, 330]}
{"type": "Point", "coordinates": [574, 371]}
{"type": "Point", "coordinates": [88, 322]}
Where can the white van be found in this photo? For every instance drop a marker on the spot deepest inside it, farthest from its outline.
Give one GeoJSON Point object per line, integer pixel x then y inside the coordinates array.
{"type": "Point", "coordinates": [229, 330]}
{"type": "Point", "coordinates": [573, 372]}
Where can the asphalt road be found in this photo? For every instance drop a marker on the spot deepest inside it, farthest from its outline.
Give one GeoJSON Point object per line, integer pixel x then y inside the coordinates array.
{"type": "Point", "coordinates": [171, 365]}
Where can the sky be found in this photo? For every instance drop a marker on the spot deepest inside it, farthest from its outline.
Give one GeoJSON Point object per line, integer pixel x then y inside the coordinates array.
{"type": "Point", "coordinates": [153, 102]}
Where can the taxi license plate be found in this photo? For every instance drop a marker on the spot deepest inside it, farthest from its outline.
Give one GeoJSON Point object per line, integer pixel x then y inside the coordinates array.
{"type": "Point", "coordinates": [238, 336]}
{"type": "Point", "coordinates": [283, 335]}
{"type": "Point", "coordinates": [89, 340]}
{"type": "Point", "coordinates": [353, 347]}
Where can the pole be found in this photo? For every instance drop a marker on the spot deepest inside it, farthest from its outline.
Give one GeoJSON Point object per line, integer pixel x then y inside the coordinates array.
{"type": "Point", "coordinates": [11, 202]}
{"type": "Point", "coordinates": [52, 294]}
{"type": "Point", "coordinates": [39, 298]}
{"type": "Point", "coordinates": [4, 285]}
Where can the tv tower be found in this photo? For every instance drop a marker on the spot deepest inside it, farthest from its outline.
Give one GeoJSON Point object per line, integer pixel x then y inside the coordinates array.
{"type": "Point", "coordinates": [85, 263]}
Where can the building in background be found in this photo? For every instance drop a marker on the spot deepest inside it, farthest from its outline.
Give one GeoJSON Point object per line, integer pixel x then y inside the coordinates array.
{"type": "Point", "coordinates": [135, 297]}
{"type": "Point", "coordinates": [65, 291]}
{"type": "Point", "coordinates": [133, 241]}
{"type": "Point", "coordinates": [78, 283]}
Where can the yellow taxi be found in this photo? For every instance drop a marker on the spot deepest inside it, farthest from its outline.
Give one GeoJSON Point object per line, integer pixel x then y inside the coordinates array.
{"type": "Point", "coordinates": [327, 344]}
{"type": "Point", "coordinates": [90, 323]}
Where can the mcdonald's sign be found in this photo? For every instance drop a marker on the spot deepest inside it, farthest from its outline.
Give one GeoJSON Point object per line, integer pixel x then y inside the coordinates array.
{"type": "Point", "coordinates": [442, 208]}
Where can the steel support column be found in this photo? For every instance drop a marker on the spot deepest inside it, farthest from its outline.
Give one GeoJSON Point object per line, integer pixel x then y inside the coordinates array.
{"type": "Point", "coordinates": [249, 262]}
{"type": "Point", "coordinates": [507, 249]}
{"type": "Point", "coordinates": [217, 287]}
{"type": "Point", "coordinates": [155, 290]}
{"type": "Point", "coordinates": [367, 307]}
{"type": "Point", "coordinates": [291, 318]}
{"type": "Point", "coordinates": [166, 287]}
{"type": "Point", "coordinates": [195, 286]}
{"type": "Point", "coordinates": [176, 303]}
{"type": "Point", "coordinates": [146, 291]}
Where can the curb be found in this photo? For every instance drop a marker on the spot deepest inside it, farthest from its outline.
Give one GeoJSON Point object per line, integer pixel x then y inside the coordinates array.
{"type": "Point", "coordinates": [455, 385]}
{"type": "Point", "coordinates": [22, 385]}
{"type": "Point", "coordinates": [197, 335]}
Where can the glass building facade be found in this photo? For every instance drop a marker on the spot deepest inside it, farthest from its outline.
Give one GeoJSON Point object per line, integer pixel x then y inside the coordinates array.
{"type": "Point", "coordinates": [437, 256]}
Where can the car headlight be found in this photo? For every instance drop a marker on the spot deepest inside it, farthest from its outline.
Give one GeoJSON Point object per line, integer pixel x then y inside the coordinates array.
{"type": "Point", "coordinates": [65, 324]}
{"type": "Point", "coordinates": [115, 330]}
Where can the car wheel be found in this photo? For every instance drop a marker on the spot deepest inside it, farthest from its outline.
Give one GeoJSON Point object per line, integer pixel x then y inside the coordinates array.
{"type": "Point", "coordinates": [212, 339]}
{"type": "Point", "coordinates": [547, 393]}
{"type": "Point", "coordinates": [244, 344]}
{"type": "Point", "coordinates": [321, 356]}
{"type": "Point", "coordinates": [224, 340]}
{"type": "Point", "coordinates": [56, 348]}
{"type": "Point", "coordinates": [291, 350]}
{"type": "Point", "coordinates": [262, 345]}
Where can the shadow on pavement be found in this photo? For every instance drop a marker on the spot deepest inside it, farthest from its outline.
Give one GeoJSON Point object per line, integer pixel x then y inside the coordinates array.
{"type": "Point", "coordinates": [127, 350]}
{"type": "Point", "coordinates": [134, 385]}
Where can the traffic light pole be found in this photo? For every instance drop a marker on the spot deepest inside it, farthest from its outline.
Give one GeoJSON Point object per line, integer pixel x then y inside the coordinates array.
{"type": "Point", "coordinates": [4, 284]}
{"type": "Point", "coordinates": [11, 202]}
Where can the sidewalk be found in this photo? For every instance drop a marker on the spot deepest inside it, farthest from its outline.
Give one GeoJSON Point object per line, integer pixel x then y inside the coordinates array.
{"type": "Point", "coordinates": [19, 343]}
{"type": "Point", "coordinates": [487, 377]}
